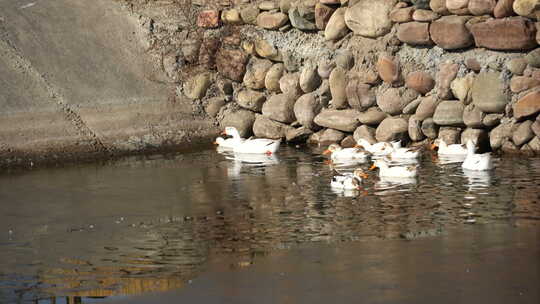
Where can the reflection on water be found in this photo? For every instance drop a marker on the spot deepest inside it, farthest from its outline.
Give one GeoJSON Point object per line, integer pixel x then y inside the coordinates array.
{"type": "Point", "coordinates": [152, 224]}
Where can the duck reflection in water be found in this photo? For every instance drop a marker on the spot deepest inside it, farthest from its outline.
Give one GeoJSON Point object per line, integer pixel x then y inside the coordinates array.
{"type": "Point", "coordinates": [477, 179]}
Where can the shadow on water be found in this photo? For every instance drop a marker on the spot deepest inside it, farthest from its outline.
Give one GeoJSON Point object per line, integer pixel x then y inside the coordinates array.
{"type": "Point", "coordinates": [152, 224]}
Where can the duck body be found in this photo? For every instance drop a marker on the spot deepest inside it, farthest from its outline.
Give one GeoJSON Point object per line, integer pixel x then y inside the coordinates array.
{"type": "Point", "coordinates": [477, 162]}
{"type": "Point", "coordinates": [453, 149]}
{"type": "Point", "coordinates": [378, 149]}
{"type": "Point", "coordinates": [258, 146]}
{"type": "Point", "coordinates": [394, 171]}
{"type": "Point", "coordinates": [338, 154]}
{"type": "Point", "coordinates": [228, 143]}
{"type": "Point", "coordinates": [348, 181]}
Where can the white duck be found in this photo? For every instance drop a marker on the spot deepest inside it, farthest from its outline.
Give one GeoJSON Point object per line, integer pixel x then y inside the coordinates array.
{"type": "Point", "coordinates": [476, 162]}
{"type": "Point", "coordinates": [444, 149]}
{"type": "Point", "coordinates": [393, 171]}
{"type": "Point", "coordinates": [253, 145]}
{"type": "Point", "coordinates": [229, 143]}
{"type": "Point", "coordinates": [378, 149]}
{"type": "Point", "coordinates": [348, 181]}
{"type": "Point", "coordinates": [337, 153]}
{"type": "Point", "coordinates": [402, 153]}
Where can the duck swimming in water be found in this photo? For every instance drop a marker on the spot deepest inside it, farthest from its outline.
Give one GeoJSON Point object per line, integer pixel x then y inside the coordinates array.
{"type": "Point", "coordinates": [349, 181]}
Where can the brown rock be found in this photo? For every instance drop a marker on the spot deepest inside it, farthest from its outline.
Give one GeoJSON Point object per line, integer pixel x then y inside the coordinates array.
{"type": "Point", "coordinates": [330, 136]}
{"type": "Point", "coordinates": [208, 19]}
{"type": "Point", "coordinates": [479, 136]}
{"type": "Point", "coordinates": [514, 33]}
{"type": "Point", "coordinates": [280, 108]}
{"type": "Point", "coordinates": [503, 8]}
{"type": "Point", "coordinates": [365, 132]}
{"type": "Point", "coordinates": [306, 108]}
{"type": "Point", "coordinates": [415, 129]}
{"type": "Point", "coordinates": [488, 92]}
{"type": "Point", "coordinates": [535, 127]}
{"type": "Point", "coordinates": [290, 85]}
{"type": "Point", "coordinates": [481, 7]}
{"type": "Point", "coordinates": [322, 15]}
{"type": "Point", "coordinates": [348, 142]}
{"type": "Point", "coordinates": [256, 73]}
{"type": "Point", "coordinates": [242, 120]}
{"type": "Point", "coordinates": [271, 21]}
{"type": "Point", "coordinates": [207, 52]}
{"type": "Point", "coordinates": [430, 129]}
{"type": "Point", "coordinates": [297, 135]}
{"type": "Point", "coordinates": [231, 64]}
{"type": "Point", "coordinates": [214, 105]}
{"type": "Point", "coordinates": [426, 108]}
{"type": "Point", "coordinates": [401, 15]}
{"type": "Point", "coordinates": [369, 18]}
{"type": "Point", "coordinates": [450, 32]}
{"type": "Point", "coordinates": [266, 128]}
{"type": "Point", "coordinates": [394, 100]}
{"type": "Point", "coordinates": [338, 83]}
{"type": "Point", "coordinates": [473, 117]}
{"type": "Point", "coordinates": [388, 69]}
{"type": "Point", "coordinates": [373, 116]}
{"type": "Point", "coordinates": [522, 133]}
{"type": "Point", "coordinates": [447, 73]}
{"type": "Point", "coordinates": [420, 81]}
{"type": "Point", "coordinates": [439, 7]}
{"type": "Point", "coordinates": [414, 33]}
{"type": "Point", "coordinates": [456, 4]}
{"type": "Point", "coordinates": [249, 14]}
{"type": "Point", "coordinates": [336, 27]}
{"type": "Point", "coordinates": [391, 129]}
{"type": "Point", "coordinates": [450, 135]}
{"type": "Point", "coordinates": [473, 65]}
{"type": "Point", "coordinates": [251, 100]}
{"type": "Point", "coordinates": [527, 105]}
{"type": "Point", "coordinates": [449, 113]}
{"type": "Point", "coordinates": [359, 95]}
{"type": "Point", "coordinates": [526, 8]}
{"type": "Point", "coordinates": [265, 49]}
{"type": "Point", "coordinates": [343, 120]}
{"type": "Point", "coordinates": [422, 15]}
{"type": "Point", "coordinates": [517, 65]}
{"type": "Point", "coordinates": [273, 76]}
{"type": "Point", "coordinates": [491, 120]}
{"type": "Point", "coordinates": [522, 83]}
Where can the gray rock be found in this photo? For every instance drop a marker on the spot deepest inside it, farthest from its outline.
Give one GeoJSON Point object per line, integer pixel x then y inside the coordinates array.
{"type": "Point", "coordinates": [290, 61]}
{"type": "Point", "coordinates": [517, 65]}
{"type": "Point", "coordinates": [450, 135]}
{"type": "Point", "coordinates": [473, 117]}
{"type": "Point", "coordinates": [447, 73]}
{"type": "Point", "coordinates": [479, 136]}
{"type": "Point", "coordinates": [393, 128]}
{"type": "Point", "coordinates": [427, 107]}
{"type": "Point", "coordinates": [412, 106]}
{"type": "Point", "coordinates": [330, 136]}
{"type": "Point", "coordinates": [449, 113]}
{"type": "Point", "coordinates": [522, 133]}
{"type": "Point", "coordinates": [359, 95]}
{"type": "Point", "coordinates": [491, 120]}
{"type": "Point", "coordinates": [280, 108]}
{"type": "Point", "coordinates": [249, 14]}
{"type": "Point", "coordinates": [429, 128]}
{"type": "Point", "coordinates": [214, 105]}
{"type": "Point", "coordinates": [415, 129]}
{"type": "Point", "coordinates": [251, 100]}
{"type": "Point", "coordinates": [394, 100]}
{"type": "Point", "coordinates": [256, 73]}
{"type": "Point", "coordinates": [274, 74]}
{"type": "Point", "coordinates": [338, 84]}
{"type": "Point", "coordinates": [533, 58]}
{"type": "Point", "coordinates": [298, 135]}
{"type": "Point", "coordinates": [306, 108]}
{"type": "Point", "coordinates": [345, 59]}
{"type": "Point", "coordinates": [242, 120]}
{"type": "Point", "coordinates": [365, 132]}
{"type": "Point", "coordinates": [195, 88]}
{"type": "Point", "coordinates": [290, 85]}
{"type": "Point", "coordinates": [370, 18]}
{"type": "Point", "coordinates": [343, 120]}
{"type": "Point", "coordinates": [309, 79]}
{"type": "Point", "coordinates": [373, 116]}
{"type": "Point", "coordinates": [500, 134]}
{"type": "Point", "coordinates": [266, 128]}
{"type": "Point", "coordinates": [488, 93]}
{"type": "Point", "coordinates": [300, 22]}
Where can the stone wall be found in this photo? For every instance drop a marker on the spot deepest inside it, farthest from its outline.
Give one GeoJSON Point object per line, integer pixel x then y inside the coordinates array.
{"type": "Point", "coordinates": [326, 71]}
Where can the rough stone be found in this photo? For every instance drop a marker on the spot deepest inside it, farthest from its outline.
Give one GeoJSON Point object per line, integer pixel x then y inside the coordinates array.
{"type": "Point", "coordinates": [535, 127]}
{"type": "Point", "coordinates": [527, 105]}
{"type": "Point", "coordinates": [461, 88]}
{"type": "Point", "coordinates": [207, 52]}
{"type": "Point", "coordinates": [214, 105]}
{"type": "Point", "coordinates": [359, 95]}
{"type": "Point", "coordinates": [242, 120]}
{"type": "Point", "coordinates": [401, 15]}
{"type": "Point", "coordinates": [439, 7]}
{"type": "Point", "coordinates": [305, 110]}
{"type": "Point", "coordinates": [268, 5]}
{"type": "Point", "coordinates": [499, 135]}
{"type": "Point", "coordinates": [338, 82]}
{"type": "Point", "coordinates": [389, 69]}
{"type": "Point", "coordinates": [392, 129]}
{"type": "Point", "coordinates": [373, 116]}
{"type": "Point", "coordinates": [503, 8]}
{"type": "Point", "coordinates": [414, 33]}
{"type": "Point", "coordinates": [285, 5]}
{"type": "Point", "coordinates": [450, 135]}
{"type": "Point", "coordinates": [365, 132]}
{"type": "Point", "coordinates": [208, 19]}
{"type": "Point", "coordinates": [491, 120]}
{"type": "Point", "coordinates": [280, 108]}
{"type": "Point", "coordinates": [450, 32]}
{"type": "Point", "coordinates": [508, 34]}
{"type": "Point", "coordinates": [309, 79]}
{"type": "Point", "coordinates": [427, 107]}
{"type": "Point", "coordinates": [517, 65]}
{"type": "Point", "coordinates": [290, 85]}
{"type": "Point", "coordinates": [330, 136]}
{"type": "Point", "coordinates": [509, 147]}
{"type": "Point", "coordinates": [344, 59]}
{"type": "Point", "coordinates": [522, 83]}
{"type": "Point", "coordinates": [297, 135]}
{"type": "Point", "coordinates": [264, 127]}
{"type": "Point", "coordinates": [231, 64]}
{"type": "Point", "coordinates": [456, 4]}
{"type": "Point", "coordinates": [447, 73]}
{"type": "Point", "coordinates": [370, 18]}
{"type": "Point", "coordinates": [488, 93]}
{"type": "Point", "coordinates": [325, 68]}
{"type": "Point", "coordinates": [231, 16]}
{"type": "Point", "coordinates": [533, 58]}
{"type": "Point", "coordinates": [525, 8]}
{"type": "Point", "coordinates": [534, 144]}
{"type": "Point", "coordinates": [249, 14]}
{"type": "Point", "coordinates": [423, 15]}
{"type": "Point", "coordinates": [473, 65]}
{"type": "Point", "coordinates": [394, 100]}
{"type": "Point", "coordinates": [420, 81]}
{"type": "Point", "coordinates": [271, 21]}
{"type": "Point", "coordinates": [429, 128]}
{"type": "Point", "coordinates": [274, 74]}
{"type": "Point", "coordinates": [478, 136]}
{"type": "Point", "coordinates": [473, 117]}
{"type": "Point", "coordinates": [449, 113]}
{"type": "Point", "coordinates": [415, 129]}
{"type": "Point", "coordinates": [251, 100]}
{"type": "Point", "coordinates": [265, 49]}
{"type": "Point", "coordinates": [322, 15]}
{"type": "Point", "coordinates": [256, 73]}
{"type": "Point", "coordinates": [299, 22]}
{"type": "Point", "coordinates": [348, 142]}
{"type": "Point", "coordinates": [336, 28]}
{"type": "Point", "coordinates": [522, 133]}
{"type": "Point", "coordinates": [481, 7]}
{"type": "Point", "coordinates": [343, 120]}
{"type": "Point", "coordinates": [195, 88]}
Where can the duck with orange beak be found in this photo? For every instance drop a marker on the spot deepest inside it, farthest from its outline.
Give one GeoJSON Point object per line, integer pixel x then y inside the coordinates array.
{"type": "Point", "coordinates": [229, 143]}
{"type": "Point", "coordinates": [349, 181]}
{"type": "Point", "coordinates": [385, 170]}
{"type": "Point", "coordinates": [337, 153]}
{"type": "Point", "coordinates": [442, 148]}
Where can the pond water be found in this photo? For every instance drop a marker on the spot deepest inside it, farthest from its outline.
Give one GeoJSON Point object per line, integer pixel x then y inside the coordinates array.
{"type": "Point", "coordinates": [88, 233]}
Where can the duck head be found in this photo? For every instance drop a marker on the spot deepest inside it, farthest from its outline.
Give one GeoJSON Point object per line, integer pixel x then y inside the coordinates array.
{"type": "Point", "coordinates": [219, 141]}
{"type": "Point", "coordinates": [231, 131]}
{"type": "Point", "coordinates": [332, 148]}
